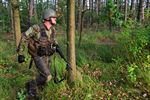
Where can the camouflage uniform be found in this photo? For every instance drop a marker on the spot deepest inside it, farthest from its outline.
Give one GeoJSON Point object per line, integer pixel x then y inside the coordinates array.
{"type": "Point", "coordinates": [43, 61]}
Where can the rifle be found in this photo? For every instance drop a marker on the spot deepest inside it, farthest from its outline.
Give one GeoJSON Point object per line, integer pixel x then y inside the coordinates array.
{"type": "Point", "coordinates": [58, 50]}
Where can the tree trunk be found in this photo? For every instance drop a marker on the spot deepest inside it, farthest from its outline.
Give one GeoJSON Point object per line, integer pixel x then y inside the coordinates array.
{"type": "Point", "coordinates": [56, 5]}
{"type": "Point", "coordinates": [81, 24]}
{"type": "Point", "coordinates": [132, 9]}
{"type": "Point", "coordinates": [140, 16]}
{"type": "Point", "coordinates": [125, 10]}
{"type": "Point", "coordinates": [11, 16]}
{"type": "Point", "coordinates": [110, 13]}
{"type": "Point", "coordinates": [118, 4]}
{"type": "Point", "coordinates": [79, 14]}
{"type": "Point", "coordinates": [97, 4]}
{"type": "Point", "coordinates": [79, 20]}
{"type": "Point", "coordinates": [147, 4]}
{"type": "Point", "coordinates": [71, 40]}
{"type": "Point", "coordinates": [16, 20]}
{"type": "Point", "coordinates": [132, 5]}
{"type": "Point", "coordinates": [35, 12]}
{"type": "Point", "coordinates": [147, 7]}
{"type": "Point", "coordinates": [31, 11]}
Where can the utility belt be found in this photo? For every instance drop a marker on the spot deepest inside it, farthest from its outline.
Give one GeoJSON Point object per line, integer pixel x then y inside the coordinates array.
{"type": "Point", "coordinates": [45, 50]}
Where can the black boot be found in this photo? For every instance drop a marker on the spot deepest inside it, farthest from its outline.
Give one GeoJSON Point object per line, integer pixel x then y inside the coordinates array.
{"type": "Point", "coordinates": [31, 90]}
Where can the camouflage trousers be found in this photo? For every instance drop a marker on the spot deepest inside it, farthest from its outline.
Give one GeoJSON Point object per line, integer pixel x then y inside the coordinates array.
{"type": "Point", "coordinates": [43, 66]}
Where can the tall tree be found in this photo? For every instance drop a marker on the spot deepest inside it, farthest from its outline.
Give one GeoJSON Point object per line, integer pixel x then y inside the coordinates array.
{"type": "Point", "coordinates": [11, 18]}
{"type": "Point", "coordinates": [16, 18]}
{"type": "Point", "coordinates": [132, 5]}
{"type": "Point", "coordinates": [147, 7]}
{"type": "Point", "coordinates": [125, 10]}
{"type": "Point", "coordinates": [97, 6]}
{"type": "Point", "coordinates": [31, 10]}
{"type": "Point", "coordinates": [79, 14]}
{"type": "Point", "coordinates": [132, 8]}
{"type": "Point", "coordinates": [147, 4]}
{"type": "Point", "coordinates": [56, 5]}
{"type": "Point", "coordinates": [79, 19]}
{"type": "Point", "coordinates": [71, 40]}
{"type": "Point", "coordinates": [140, 16]}
{"type": "Point", "coordinates": [80, 26]}
{"type": "Point", "coordinates": [109, 6]}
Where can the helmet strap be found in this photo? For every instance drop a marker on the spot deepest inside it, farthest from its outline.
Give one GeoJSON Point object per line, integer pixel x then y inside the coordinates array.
{"type": "Point", "coordinates": [49, 20]}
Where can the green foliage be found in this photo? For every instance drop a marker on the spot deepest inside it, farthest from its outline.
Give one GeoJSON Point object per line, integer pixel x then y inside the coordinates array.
{"type": "Point", "coordinates": [4, 19]}
{"type": "Point", "coordinates": [106, 68]}
{"type": "Point", "coordinates": [21, 95]}
{"type": "Point", "coordinates": [132, 48]}
{"type": "Point", "coordinates": [6, 88]}
{"type": "Point", "coordinates": [137, 40]}
{"type": "Point", "coordinates": [114, 14]}
{"type": "Point", "coordinates": [132, 72]}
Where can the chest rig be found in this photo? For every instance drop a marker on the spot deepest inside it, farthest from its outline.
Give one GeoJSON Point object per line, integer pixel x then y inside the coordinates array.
{"type": "Point", "coordinates": [44, 45]}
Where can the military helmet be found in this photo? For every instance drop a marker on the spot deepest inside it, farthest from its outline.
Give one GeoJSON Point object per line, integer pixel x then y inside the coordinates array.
{"type": "Point", "coordinates": [49, 13]}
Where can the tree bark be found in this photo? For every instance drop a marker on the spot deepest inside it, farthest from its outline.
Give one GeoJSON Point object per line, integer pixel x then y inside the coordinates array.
{"type": "Point", "coordinates": [97, 4]}
{"type": "Point", "coordinates": [81, 23]}
{"type": "Point", "coordinates": [16, 20]}
{"type": "Point", "coordinates": [147, 7]}
{"type": "Point", "coordinates": [140, 16]}
{"type": "Point", "coordinates": [71, 40]}
{"type": "Point", "coordinates": [125, 10]}
{"type": "Point", "coordinates": [132, 5]}
{"type": "Point", "coordinates": [147, 4]}
{"type": "Point", "coordinates": [31, 11]}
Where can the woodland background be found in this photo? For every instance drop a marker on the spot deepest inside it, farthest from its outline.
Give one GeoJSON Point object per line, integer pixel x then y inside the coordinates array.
{"type": "Point", "coordinates": [109, 44]}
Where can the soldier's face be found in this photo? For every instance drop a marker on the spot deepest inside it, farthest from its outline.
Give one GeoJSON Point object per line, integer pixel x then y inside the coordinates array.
{"type": "Point", "coordinates": [53, 20]}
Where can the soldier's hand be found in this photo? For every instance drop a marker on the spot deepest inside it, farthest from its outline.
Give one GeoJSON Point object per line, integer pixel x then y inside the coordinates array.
{"type": "Point", "coordinates": [21, 58]}
{"type": "Point", "coordinates": [68, 67]}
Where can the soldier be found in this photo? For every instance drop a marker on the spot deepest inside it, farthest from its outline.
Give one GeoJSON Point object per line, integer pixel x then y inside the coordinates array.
{"type": "Point", "coordinates": [41, 45]}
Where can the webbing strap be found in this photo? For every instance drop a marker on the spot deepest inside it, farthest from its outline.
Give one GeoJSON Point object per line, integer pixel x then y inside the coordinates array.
{"type": "Point", "coordinates": [42, 31]}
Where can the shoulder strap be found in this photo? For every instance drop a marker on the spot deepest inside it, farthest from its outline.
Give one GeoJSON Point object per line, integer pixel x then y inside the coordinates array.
{"type": "Point", "coordinates": [53, 33]}
{"type": "Point", "coordinates": [42, 30]}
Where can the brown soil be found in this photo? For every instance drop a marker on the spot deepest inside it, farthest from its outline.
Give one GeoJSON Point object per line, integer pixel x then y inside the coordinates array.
{"type": "Point", "coordinates": [106, 41]}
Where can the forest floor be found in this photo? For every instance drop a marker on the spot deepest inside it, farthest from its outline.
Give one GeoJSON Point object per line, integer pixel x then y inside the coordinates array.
{"type": "Point", "coordinates": [102, 80]}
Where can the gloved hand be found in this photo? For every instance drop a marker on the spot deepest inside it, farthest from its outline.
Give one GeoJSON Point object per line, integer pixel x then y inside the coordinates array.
{"type": "Point", "coordinates": [21, 58]}
{"type": "Point", "coordinates": [68, 67]}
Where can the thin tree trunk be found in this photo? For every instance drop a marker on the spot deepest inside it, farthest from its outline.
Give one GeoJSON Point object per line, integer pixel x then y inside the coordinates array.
{"type": "Point", "coordinates": [56, 5]}
{"type": "Point", "coordinates": [79, 20]}
{"type": "Point", "coordinates": [147, 4]}
{"type": "Point", "coordinates": [16, 18]}
{"type": "Point", "coordinates": [35, 11]}
{"type": "Point", "coordinates": [97, 6]}
{"type": "Point", "coordinates": [71, 41]}
{"type": "Point", "coordinates": [31, 11]}
{"type": "Point", "coordinates": [147, 7]}
{"type": "Point", "coordinates": [11, 17]}
{"type": "Point", "coordinates": [132, 5]}
{"type": "Point", "coordinates": [79, 14]}
{"type": "Point", "coordinates": [125, 10]}
{"type": "Point", "coordinates": [81, 25]}
{"type": "Point", "coordinates": [132, 8]}
{"type": "Point", "coordinates": [110, 13]}
{"type": "Point", "coordinates": [140, 16]}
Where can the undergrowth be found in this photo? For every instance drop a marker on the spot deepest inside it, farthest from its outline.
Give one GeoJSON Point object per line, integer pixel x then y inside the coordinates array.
{"type": "Point", "coordinates": [112, 65]}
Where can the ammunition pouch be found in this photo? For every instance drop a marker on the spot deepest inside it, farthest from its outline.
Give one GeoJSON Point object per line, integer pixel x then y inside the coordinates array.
{"type": "Point", "coordinates": [45, 51]}
{"type": "Point", "coordinates": [32, 47]}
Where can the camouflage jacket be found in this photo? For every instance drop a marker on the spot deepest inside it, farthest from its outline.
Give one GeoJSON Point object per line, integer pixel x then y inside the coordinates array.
{"type": "Point", "coordinates": [34, 33]}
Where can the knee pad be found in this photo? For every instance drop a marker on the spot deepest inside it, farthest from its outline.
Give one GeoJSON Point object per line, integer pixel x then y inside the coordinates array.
{"type": "Point", "coordinates": [49, 77]}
